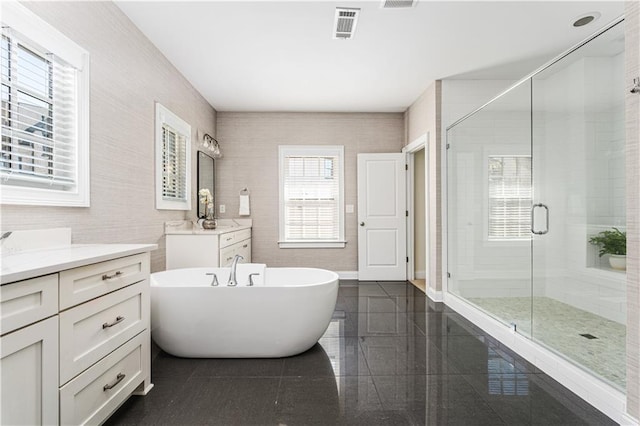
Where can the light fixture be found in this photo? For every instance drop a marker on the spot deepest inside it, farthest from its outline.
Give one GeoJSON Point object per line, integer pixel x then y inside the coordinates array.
{"type": "Point", "coordinates": [212, 145]}
{"type": "Point", "coordinates": [585, 19]}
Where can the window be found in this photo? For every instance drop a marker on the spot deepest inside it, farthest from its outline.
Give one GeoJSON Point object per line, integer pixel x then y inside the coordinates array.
{"type": "Point", "coordinates": [311, 196]}
{"type": "Point", "coordinates": [173, 161]}
{"type": "Point", "coordinates": [44, 153]}
{"type": "Point", "coordinates": [510, 197]}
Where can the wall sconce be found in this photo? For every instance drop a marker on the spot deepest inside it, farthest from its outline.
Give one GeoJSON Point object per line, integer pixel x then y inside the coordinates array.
{"type": "Point", "coordinates": [212, 145]}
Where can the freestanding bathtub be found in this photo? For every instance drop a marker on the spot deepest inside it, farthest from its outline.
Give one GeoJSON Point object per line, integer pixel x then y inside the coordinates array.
{"type": "Point", "coordinates": [283, 314]}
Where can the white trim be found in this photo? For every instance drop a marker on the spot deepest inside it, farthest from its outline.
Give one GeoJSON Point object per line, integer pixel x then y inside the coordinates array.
{"type": "Point", "coordinates": [420, 143]}
{"type": "Point", "coordinates": [602, 396]}
{"type": "Point", "coordinates": [165, 116]}
{"type": "Point", "coordinates": [628, 420]}
{"type": "Point", "coordinates": [311, 244]}
{"type": "Point", "coordinates": [347, 275]}
{"type": "Point", "coordinates": [434, 295]}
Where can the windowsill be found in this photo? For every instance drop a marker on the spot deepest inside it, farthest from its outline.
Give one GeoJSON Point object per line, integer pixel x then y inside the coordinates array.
{"type": "Point", "coordinates": [311, 244]}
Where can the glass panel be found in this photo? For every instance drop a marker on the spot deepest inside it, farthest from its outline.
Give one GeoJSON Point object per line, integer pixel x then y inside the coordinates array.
{"type": "Point", "coordinates": [489, 205]}
{"type": "Point", "coordinates": [579, 175]}
{"type": "Point", "coordinates": [34, 72]}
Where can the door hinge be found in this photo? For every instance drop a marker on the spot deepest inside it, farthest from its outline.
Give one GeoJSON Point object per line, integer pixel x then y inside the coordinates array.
{"type": "Point", "coordinates": [406, 167]}
{"type": "Point", "coordinates": [448, 146]}
{"type": "Point", "coordinates": [406, 213]}
{"type": "Point", "coordinates": [448, 274]}
{"type": "Point", "coordinates": [407, 259]}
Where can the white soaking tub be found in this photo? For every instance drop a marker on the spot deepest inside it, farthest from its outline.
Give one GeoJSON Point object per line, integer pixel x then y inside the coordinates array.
{"type": "Point", "coordinates": [284, 313]}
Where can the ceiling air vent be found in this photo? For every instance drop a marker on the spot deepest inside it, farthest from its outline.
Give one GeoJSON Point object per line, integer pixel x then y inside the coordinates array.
{"type": "Point", "coordinates": [398, 4]}
{"type": "Point", "coordinates": [345, 22]}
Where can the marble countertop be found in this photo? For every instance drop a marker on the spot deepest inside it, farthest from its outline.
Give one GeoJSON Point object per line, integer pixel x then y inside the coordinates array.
{"type": "Point", "coordinates": [186, 227]}
{"type": "Point", "coordinates": [27, 264]}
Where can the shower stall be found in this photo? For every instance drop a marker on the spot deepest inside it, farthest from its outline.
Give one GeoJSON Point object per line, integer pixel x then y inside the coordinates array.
{"type": "Point", "coordinates": [532, 176]}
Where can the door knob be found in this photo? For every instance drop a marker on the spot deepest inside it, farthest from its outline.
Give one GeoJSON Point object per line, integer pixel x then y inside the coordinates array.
{"type": "Point", "coordinates": [361, 223]}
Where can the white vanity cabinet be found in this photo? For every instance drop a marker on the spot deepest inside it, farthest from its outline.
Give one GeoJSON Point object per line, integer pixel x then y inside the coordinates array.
{"type": "Point", "coordinates": [29, 351]}
{"type": "Point", "coordinates": [75, 342]}
{"type": "Point", "coordinates": [187, 248]}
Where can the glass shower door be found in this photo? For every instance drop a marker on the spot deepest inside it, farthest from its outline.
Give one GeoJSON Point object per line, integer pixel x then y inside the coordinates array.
{"type": "Point", "coordinates": [489, 205]}
{"type": "Point", "coordinates": [579, 186]}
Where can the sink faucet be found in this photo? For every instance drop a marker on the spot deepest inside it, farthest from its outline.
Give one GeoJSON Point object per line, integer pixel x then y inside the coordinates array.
{"type": "Point", "coordinates": [232, 274]}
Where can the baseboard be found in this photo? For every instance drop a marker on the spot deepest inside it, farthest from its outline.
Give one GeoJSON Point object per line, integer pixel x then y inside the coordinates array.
{"type": "Point", "coordinates": [347, 275]}
{"type": "Point", "coordinates": [421, 275]}
{"type": "Point", "coordinates": [627, 420]}
{"type": "Point", "coordinates": [434, 295]}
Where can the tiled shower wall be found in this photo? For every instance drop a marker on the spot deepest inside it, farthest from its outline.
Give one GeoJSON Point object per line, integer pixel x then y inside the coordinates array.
{"type": "Point", "coordinates": [128, 74]}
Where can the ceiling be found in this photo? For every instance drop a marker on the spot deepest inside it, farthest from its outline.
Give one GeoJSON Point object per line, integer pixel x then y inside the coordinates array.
{"type": "Point", "coordinates": [280, 56]}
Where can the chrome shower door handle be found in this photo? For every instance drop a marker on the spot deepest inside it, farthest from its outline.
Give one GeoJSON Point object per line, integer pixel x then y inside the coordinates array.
{"type": "Point", "coordinates": [533, 208]}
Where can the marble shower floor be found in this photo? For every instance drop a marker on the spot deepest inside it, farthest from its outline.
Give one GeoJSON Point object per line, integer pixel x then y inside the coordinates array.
{"type": "Point", "coordinates": [559, 326]}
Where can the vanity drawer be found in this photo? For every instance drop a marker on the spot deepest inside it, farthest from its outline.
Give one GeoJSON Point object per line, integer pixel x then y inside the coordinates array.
{"type": "Point", "coordinates": [25, 302]}
{"type": "Point", "coordinates": [243, 248]}
{"type": "Point", "coordinates": [243, 234]}
{"type": "Point", "coordinates": [88, 282]}
{"type": "Point", "coordinates": [226, 256]}
{"type": "Point", "coordinates": [226, 240]}
{"type": "Point", "coordinates": [96, 393]}
{"type": "Point", "coordinates": [231, 238]}
{"type": "Point", "coordinates": [92, 330]}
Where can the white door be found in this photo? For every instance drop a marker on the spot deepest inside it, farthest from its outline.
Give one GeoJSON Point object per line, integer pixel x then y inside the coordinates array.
{"type": "Point", "coordinates": [382, 247]}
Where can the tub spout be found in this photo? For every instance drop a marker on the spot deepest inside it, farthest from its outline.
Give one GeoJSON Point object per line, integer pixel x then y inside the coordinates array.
{"type": "Point", "coordinates": [232, 274]}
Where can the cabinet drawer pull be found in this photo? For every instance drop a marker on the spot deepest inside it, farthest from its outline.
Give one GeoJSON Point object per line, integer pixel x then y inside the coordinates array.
{"type": "Point", "coordinates": [229, 239]}
{"type": "Point", "coordinates": [119, 378]}
{"type": "Point", "coordinates": [245, 246]}
{"type": "Point", "coordinates": [108, 277]}
{"type": "Point", "coordinates": [119, 319]}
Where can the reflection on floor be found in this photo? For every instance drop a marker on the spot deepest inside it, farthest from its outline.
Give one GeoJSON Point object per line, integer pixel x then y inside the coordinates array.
{"type": "Point", "coordinates": [388, 358]}
{"type": "Point", "coordinates": [421, 284]}
{"type": "Point", "coordinates": [562, 327]}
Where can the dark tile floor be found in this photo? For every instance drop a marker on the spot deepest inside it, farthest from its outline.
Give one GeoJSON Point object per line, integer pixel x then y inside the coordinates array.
{"type": "Point", "coordinates": [389, 357]}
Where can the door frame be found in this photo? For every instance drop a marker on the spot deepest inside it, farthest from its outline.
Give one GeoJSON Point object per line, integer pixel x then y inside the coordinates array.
{"type": "Point", "coordinates": [421, 142]}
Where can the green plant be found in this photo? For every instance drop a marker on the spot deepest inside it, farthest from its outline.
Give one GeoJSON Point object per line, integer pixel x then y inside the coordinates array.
{"type": "Point", "coordinates": [610, 242]}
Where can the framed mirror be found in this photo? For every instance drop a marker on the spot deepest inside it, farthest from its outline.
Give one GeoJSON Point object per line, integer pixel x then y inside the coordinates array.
{"type": "Point", "coordinates": [205, 179]}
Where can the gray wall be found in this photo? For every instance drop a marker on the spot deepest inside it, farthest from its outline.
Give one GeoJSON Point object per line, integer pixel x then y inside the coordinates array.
{"type": "Point", "coordinates": [250, 147]}
{"type": "Point", "coordinates": [127, 75]}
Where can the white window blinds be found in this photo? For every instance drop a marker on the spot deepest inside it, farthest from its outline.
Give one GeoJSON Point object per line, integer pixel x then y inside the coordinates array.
{"type": "Point", "coordinates": [311, 194]}
{"type": "Point", "coordinates": [173, 161]}
{"type": "Point", "coordinates": [39, 117]}
{"type": "Point", "coordinates": [174, 164]}
{"type": "Point", "coordinates": [509, 197]}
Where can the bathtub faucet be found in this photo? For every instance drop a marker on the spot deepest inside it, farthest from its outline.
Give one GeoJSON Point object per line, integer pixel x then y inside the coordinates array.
{"type": "Point", "coordinates": [232, 274]}
{"type": "Point", "coordinates": [215, 278]}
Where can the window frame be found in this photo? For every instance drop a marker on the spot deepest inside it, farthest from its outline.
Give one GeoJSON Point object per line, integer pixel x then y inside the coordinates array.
{"type": "Point", "coordinates": [311, 151]}
{"type": "Point", "coordinates": [165, 116]}
{"type": "Point", "coordinates": [33, 30]}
